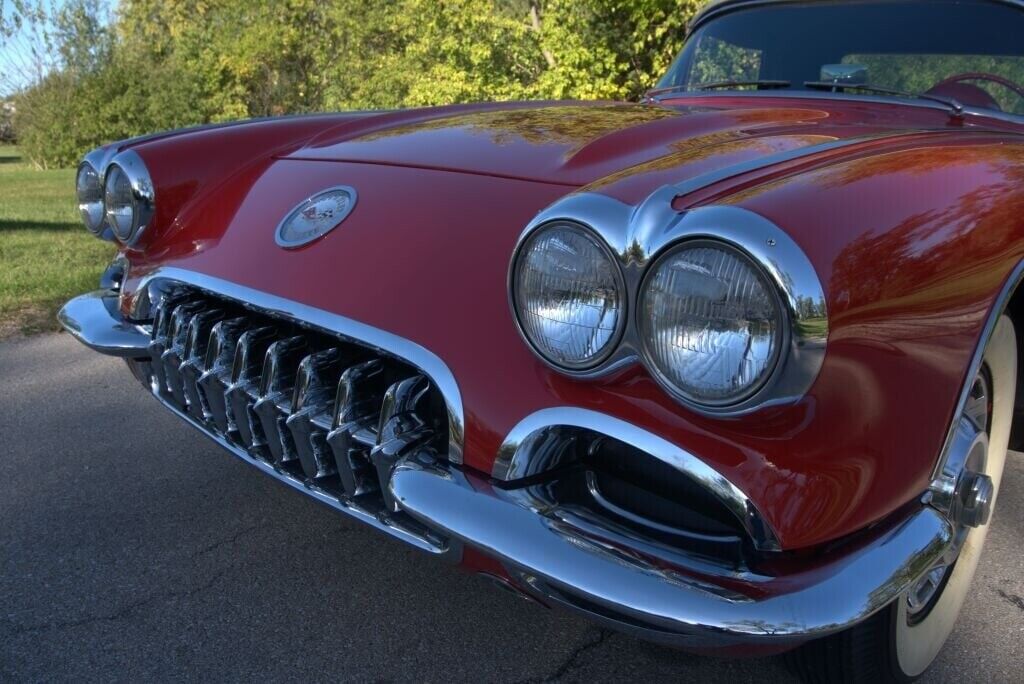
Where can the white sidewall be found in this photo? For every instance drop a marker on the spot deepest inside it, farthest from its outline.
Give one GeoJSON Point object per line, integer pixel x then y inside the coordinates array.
{"type": "Point", "coordinates": [917, 645]}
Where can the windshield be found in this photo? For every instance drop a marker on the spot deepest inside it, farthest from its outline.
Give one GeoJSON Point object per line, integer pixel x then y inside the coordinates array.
{"type": "Point", "coordinates": [970, 51]}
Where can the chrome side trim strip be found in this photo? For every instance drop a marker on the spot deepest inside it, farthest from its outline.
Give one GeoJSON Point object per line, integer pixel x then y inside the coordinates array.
{"type": "Point", "coordinates": [562, 564]}
{"type": "Point", "coordinates": [335, 324]}
{"type": "Point", "coordinates": [517, 459]}
{"type": "Point", "coordinates": [939, 476]}
{"type": "Point", "coordinates": [94, 320]}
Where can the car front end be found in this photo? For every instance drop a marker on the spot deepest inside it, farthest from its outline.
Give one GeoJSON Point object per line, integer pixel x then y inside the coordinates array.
{"type": "Point", "coordinates": [654, 363]}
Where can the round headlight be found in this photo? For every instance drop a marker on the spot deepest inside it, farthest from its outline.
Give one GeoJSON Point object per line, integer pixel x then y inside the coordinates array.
{"type": "Point", "coordinates": [90, 197]}
{"type": "Point", "coordinates": [119, 201]}
{"type": "Point", "coordinates": [568, 296]}
{"type": "Point", "coordinates": [710, 323]}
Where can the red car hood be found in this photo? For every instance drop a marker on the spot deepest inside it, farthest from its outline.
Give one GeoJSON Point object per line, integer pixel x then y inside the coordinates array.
{"type": "Point", "coordinates": [580, 143]}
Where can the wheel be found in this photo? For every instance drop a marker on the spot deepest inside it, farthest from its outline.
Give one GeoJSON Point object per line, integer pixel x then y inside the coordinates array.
{"type": "Point", "coordinates": [898, 643]}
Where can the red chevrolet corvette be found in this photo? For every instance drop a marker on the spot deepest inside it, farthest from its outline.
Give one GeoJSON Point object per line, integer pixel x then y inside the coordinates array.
{"type": "Point", "coordinates": [733, 368]}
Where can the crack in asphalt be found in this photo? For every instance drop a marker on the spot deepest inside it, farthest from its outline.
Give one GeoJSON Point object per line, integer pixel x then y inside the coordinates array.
{"type": "Point", "coordinates": [122, 613]}
{"type": "Point", "coordinates": [1012, 599]}
{"type": "Point", "coordinates": [13, 629]}
{"type": "Point", "coordinates": [223, 542]}
{"type": "Point", "coordinates": [573, 660]}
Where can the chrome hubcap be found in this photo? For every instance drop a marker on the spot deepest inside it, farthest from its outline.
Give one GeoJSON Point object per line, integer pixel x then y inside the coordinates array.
{"type": "Point", "coordinates": [979, 404]}
{"type": "Point", "coordinates": [922, 593]}
{"type": "Point", "coordinates": [972, 506]}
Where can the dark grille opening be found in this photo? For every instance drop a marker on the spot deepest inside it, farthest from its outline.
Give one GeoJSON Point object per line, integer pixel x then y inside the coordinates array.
{"type": "Point", "coordinates": [321, 409]}
{"type": "Point", "coordinates": [622, 488]}
{"type": "Point", "coordinates": [655, 491]}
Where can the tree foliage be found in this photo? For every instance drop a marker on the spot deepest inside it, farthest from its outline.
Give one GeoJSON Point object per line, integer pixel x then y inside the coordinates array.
{"type": "Point", "coordinates": [162, 64]}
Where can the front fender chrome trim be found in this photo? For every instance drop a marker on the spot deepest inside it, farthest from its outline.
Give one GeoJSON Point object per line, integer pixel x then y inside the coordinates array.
{"type": "Point", "coordinates": [520, 457]}
{"type": "Point", "coordinates": [639, 235]}
{"type": "Point", "coordinates": [94, 320]}
{"type": "Point", "coordinates": [562, 564]}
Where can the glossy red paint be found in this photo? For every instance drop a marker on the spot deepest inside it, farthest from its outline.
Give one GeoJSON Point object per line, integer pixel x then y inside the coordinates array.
{"type": "Point", "coordinates": [911, 238]}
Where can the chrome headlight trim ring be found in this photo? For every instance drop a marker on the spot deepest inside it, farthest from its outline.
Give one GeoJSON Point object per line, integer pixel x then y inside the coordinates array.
{"type": "Point", "coordinates": [96, 226]}
{"type": "Point", "coordinates": [781, 334]}
{"type": "Point", "coordinates": [142, 192]}
{"type": "Point", "coordinates": [625, 304]}
{"type": "Point", "coordinates": [639, 235]}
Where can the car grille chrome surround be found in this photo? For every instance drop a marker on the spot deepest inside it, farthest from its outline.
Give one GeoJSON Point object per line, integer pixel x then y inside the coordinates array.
{"type": "Point", "coordinates": [317, 409]}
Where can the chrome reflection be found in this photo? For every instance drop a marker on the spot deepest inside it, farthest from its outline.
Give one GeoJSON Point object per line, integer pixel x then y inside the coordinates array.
{"type": "Point", "coordinates": [672, 601]}
{"type": "Point", "coordinates": [537, 444]}
{"type": "Point", "coordinates": [709, 323]}
{"type": "Point", "coordinates": [331, 323]}
{"type": "Point", "coordinates": [639, 235]}
{"type": "Point", "coordinates": [568, 296]}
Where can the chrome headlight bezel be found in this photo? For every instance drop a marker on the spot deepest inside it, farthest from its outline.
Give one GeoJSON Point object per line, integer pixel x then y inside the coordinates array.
{"type": "Point", "coordinates": [624, 307]}
{"type": "Point", "coordinates": [90, 208]}
{"type": "Point", "coordinates": [142, 196]}
{"type": "Point", "coordinates": [638, 235]}
{"type": "Point", "coordinates": [649, 356]}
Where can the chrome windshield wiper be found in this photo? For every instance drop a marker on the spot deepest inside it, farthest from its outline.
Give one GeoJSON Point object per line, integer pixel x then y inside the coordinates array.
{"type": "Point", "coordinates": [764, 83]}
{"type": "Point", "coordinates": [716, 85]}
{"type": "Point", "coordinates": [955, 107]}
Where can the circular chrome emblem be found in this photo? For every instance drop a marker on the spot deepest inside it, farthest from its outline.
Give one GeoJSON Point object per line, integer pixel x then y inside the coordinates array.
{"type": "Point", "coordinates": [315, 217]}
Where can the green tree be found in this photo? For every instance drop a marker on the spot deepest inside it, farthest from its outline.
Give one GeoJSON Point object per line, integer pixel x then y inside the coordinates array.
{"type": "Point", "coordinates": [168, 63]}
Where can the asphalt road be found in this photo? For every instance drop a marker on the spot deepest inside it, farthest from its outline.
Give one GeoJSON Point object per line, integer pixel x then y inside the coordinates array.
{"type": "Point", "coordinates": [132, 548]}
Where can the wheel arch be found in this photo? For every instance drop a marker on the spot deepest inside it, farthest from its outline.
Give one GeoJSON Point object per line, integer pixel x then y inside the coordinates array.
{"type": "Point", "coordinates": [1015, 310]}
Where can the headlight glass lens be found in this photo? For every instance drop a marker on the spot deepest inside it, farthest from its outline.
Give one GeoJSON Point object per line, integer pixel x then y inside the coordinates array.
{"type": "Point", "coordinates": [710, 323]}
{"type": "Point", "coordinates": [568, 296]}
{"type": "Point", "coordinates": [120, 203]}
{"type": "Point", "coordinates": [90, 197]}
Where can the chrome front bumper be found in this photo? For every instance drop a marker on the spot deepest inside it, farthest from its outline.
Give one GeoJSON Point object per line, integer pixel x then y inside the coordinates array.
{"type": "Point", "coordinates": [559, 559]}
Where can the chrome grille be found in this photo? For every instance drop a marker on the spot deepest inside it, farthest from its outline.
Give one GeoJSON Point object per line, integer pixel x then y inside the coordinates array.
{"type": "Point", "coordinates": [316, 409]}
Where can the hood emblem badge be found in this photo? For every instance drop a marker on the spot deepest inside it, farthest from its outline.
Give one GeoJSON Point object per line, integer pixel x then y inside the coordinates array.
{"type": "Point", "coordinates": [316, 216]}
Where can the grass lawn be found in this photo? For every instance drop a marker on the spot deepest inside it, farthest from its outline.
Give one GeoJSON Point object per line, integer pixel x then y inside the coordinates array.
{"type": "Point", "coordinates": [46, 255]}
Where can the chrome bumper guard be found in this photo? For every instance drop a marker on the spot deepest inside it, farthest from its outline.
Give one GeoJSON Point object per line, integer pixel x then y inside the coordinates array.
{"type": "Point", "coordinates": [559, 561]}
{"type": "Point", "coordinates": [94, 320]}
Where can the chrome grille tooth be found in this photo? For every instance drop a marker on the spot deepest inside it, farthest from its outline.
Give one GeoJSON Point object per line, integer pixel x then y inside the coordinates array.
{"type": "Point", "coordinates": [360, 392]}
{"type": "Point", "coordinates": [356, 406]}
{"type": "Point", "coordinates": [312, 398]}
{"type": "Point", "coordinates": [163, 309]}
{"type": "Point", "coordinates": [162, 312]}
{"type": "Point", "coordinates": [197, 337]}
{"type": "Point", "coordinates": [243, 386]}
{"type": "Point", "coordinates": [314, 380]}
{"type": "Point", "coordinates": [174, 354]}
{"type": "Point", "coordinates": [220, 354]}
{"type": "Point", "coordinates": [197, 341]}
{"type": "Point", "coordinates": [213, 383]}
{"type": "Point", "coordinates": [277, 382]}
{"type": "Point", "coordinates": [401, 428]}
{"type": "Point", "coordinates": [397, 413]}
